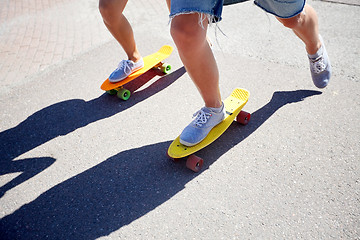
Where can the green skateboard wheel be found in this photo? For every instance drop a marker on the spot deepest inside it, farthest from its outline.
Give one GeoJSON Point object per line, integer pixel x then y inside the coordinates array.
{"type": "Point", "coordinates": [165, 68]}
{"type": "Point", "coordinates": [124, 94]}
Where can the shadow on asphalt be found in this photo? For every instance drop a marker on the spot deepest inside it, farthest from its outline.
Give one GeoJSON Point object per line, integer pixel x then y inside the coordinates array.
{"type": "Point", "coordinates": [124, 187]}
{"type": "Point", "coordinates": [63, 118]}
{"type": "Point", "coordinates": [237, 132]}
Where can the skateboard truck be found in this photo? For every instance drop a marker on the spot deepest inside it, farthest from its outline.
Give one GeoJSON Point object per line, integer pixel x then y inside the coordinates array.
{"type": "Point", "coordinates": [121, 93]}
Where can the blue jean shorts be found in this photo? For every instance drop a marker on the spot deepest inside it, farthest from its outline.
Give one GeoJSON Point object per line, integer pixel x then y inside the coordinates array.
{"type": "Point", "coordinates": [212, 8]}
{"type": "Point", "coordinates": [282, 8]}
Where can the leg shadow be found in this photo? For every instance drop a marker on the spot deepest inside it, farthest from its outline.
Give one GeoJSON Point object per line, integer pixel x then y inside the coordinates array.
{"type": "Point", "coordinates": [100, 200]}
{"type": "Point", "coordinates": [28, 168]}
{"type": "Point", "coordinates": [63, 118]}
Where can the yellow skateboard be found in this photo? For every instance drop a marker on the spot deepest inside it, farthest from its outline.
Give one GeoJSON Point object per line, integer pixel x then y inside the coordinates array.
{"type": "Point", "coordinates": [233, 105]}
{"type": "Point", "coordinates": [151, 61]}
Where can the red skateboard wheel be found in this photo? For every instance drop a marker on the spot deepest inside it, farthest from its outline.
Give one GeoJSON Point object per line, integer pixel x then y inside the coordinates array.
{"type": "Point", "coordinates": [243, 117]}
{"type": "Point", "coordinates": [194, 163]}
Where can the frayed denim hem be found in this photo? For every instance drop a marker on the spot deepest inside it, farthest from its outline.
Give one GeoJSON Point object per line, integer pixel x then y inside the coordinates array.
{"type": "Point", "coordinates": [202, 17]}
{"type": "Point", "coordinates": [278, 12]}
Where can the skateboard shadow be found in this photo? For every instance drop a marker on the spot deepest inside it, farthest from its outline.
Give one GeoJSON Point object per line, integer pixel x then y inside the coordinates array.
{"type": "Point", "coordinates": [124, 187]}
{"type": "Point", "coordinates": [63, 118]}
{"type": "Point", "coordinates": [237, 132]}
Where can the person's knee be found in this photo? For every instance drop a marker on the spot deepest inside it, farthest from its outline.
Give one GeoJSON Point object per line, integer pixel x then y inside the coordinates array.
{"type": "Point", "coordinates": [108, 8]}
{"type": "Point", "coordinates": [185, 33]}
{"type": "Point", "coordinates": [293, 22]}
{"type": "Point", "coordinates": [104, 6]}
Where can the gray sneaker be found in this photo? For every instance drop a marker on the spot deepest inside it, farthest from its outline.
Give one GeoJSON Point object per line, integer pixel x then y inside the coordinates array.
{"type": "Point", "coordinates": [199, 128]}
{"type": "Point", "coordinates": [124, 69]}
{"type": "Point", "coordinates": [320, 66]}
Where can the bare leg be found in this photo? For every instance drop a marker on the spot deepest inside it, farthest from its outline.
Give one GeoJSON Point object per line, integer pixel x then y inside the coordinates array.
{"type": "Point", "coordinates": [119, 27]}
{"type": "Point", "coordinates": [305, 26]}
{"type": "Point", "coordinates": [197, 57]}
{"type": "Point", "coordinates": [168, 2]}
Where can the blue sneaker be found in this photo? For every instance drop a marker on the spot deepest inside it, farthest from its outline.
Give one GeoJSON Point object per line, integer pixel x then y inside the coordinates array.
{"type": "Point", "coordinates": [320, 66]}
{"type": "Point", "coordinates": [124, 69]}
{"type": "Point", "coordinates": [199, 128]}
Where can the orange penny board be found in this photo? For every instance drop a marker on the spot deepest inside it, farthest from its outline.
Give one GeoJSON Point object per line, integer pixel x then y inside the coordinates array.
{"type": "Point", "coordinates": [150, 61]}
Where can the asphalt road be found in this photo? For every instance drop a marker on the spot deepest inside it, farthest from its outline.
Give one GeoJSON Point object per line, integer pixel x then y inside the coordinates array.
{"type": "Point", "coordinates": [76, 163]}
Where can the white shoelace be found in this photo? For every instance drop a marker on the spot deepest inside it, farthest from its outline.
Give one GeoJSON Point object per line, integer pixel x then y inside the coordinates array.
{"type": "Point", "coordinates": [125, 64]}
{"type": "Point", "coordinates": [318, 65]}
{"type": "Point", "coordinates": [201, 117]}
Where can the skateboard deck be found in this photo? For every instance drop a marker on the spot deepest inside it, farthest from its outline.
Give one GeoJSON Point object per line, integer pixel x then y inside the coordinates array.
{"type": "Point", "coordinates": [233, 105]}
{"type": "Point", "coordinates": [151, 61]}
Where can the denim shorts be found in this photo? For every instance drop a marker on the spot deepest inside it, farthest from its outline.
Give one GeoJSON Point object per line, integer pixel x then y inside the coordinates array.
{"type": "Point", "coordinates": [282, 8]}
{"type": "Point", "coordinates": [212, 8]}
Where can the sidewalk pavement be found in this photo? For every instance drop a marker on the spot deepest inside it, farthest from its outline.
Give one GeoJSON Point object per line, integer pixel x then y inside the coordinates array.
{"type": "Point", "coordinates": [76, 163]}
{"type": "Point", "coordinates": [35, 35]}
